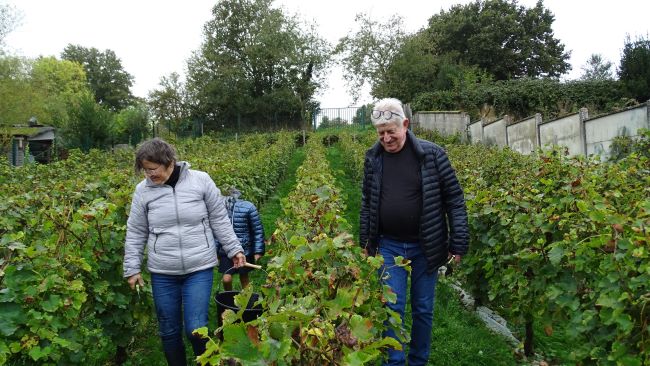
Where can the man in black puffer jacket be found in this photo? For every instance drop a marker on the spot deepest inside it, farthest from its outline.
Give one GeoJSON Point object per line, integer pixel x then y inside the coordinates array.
{"type": "Point", "coordinates": [248, 227]}
{"type": "Point", "coordinates": [412, 206]}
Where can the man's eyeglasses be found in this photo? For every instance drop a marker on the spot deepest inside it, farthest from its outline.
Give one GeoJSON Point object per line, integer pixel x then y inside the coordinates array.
{"type": "Point", "coordinates": [151, 171]}
{"type": "Point", "coordinates": [388, 115]}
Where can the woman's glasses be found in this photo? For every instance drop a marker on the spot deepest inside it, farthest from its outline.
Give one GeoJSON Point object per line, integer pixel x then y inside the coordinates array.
{"type": "Point", "coordinates": [388, 115]}
{"type": "Point", "coordinates": [151, 171]}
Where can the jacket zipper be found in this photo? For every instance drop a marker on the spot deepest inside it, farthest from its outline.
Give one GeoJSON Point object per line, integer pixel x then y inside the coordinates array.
{"type": "Point", "coordinates": [178, 228]}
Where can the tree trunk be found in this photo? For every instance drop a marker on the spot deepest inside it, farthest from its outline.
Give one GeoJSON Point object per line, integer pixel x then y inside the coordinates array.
{"type": "Point", "coordinates": [528, 341]}
{"type": "Point", "coordinates": [120, 355]}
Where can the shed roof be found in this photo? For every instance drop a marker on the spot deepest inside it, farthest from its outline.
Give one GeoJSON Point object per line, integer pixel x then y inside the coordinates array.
{"type": "Point", "coordinates": [32, 133]}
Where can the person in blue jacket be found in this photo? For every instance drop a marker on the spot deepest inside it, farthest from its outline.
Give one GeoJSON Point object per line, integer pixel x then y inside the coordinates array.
{"type": "Point", "coordinates": [246, 223]}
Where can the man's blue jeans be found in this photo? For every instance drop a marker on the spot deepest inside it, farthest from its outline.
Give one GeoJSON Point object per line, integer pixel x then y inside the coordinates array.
{"type": "Point", "coordinates": [423, 286]}
{"type": "Point", "coordinates": [181, 300]}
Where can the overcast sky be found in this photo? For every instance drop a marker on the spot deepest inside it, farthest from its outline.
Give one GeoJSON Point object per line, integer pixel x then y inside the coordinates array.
{"type": "Point", "coordinates": [155, 37]}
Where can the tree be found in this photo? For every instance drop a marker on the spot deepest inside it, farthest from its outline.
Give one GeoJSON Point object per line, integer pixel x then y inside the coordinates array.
{"type": "Point", "coordinates": [89, 126]}
{"type": "Point", "coordinates": [597, 68]}
{"type": "Point", "coordinates": [503, 38]}
{"type": "Point", "coordinates": [416, 69]}
{"type": "Point", "coordinates": [56, 93]}
{"type": "Point", "coordinates": [39, 88]}
{"type": "Point", "coordinates": [16, 93]}
{"type": "Point", "coordinates": [56, 83]}
{"type": "Point", "coordinates": [256, 64]}
{"type": "Point", "coordinates": [367, 53]}
{"type": "Point", "coordinates": [634, 71]}
{"type": "Point", "coordinates": [131, 124]}
{"type": "Point", "coordinates": [170, 104]}
{"type": "Point", "coordinates": [362, 115]}
{"type": "Point", "coordinates": [108, 80]}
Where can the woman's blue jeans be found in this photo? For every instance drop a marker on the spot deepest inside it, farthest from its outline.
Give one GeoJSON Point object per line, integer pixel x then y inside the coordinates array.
{"type": "Point", "coordinates": [423, 286]}
{"type": "Point", "coordinates": [181, 300]}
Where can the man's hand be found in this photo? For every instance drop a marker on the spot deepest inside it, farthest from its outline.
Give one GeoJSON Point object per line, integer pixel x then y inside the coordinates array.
{"type": "Point", "coordinates": [134, 280]}
{"type": "Point", "coordinates": [239, 260]}
{"type": "Point", "coordinates": [257, 257]}
{"type": "Point", "coordinates": [455, 258]}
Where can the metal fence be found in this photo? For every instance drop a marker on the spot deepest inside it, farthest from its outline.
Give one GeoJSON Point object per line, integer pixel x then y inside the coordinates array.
{"type": "Point", "coordinates": [323, 118]}
{"type": "Point", "coordinates": [188, 128]}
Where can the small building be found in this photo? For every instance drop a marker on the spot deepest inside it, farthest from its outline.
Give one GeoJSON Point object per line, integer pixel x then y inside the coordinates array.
{"type": "Point", "coordinates": [33, 142]}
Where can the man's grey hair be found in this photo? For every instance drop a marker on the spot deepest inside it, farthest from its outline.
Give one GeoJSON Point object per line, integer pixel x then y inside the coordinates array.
{"type": "Point", "coordinates": [391, 105]}
{"type": "Point", "coordinates": [156, 151]}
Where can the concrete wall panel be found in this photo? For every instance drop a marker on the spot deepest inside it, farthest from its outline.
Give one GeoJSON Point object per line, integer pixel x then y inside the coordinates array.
{"type": "Point", "coordinates": [495, 133]}
{"type": "Point", "coordinates": [476, 132]}
{"type": "Point", "coordinates": [563, 132]}
{"type": "Point", "coordinates": [447, 123]}
{"type": "Point", "coordinates": [522, 136]}
{"type": "Point", "coordinates": [600, 131]}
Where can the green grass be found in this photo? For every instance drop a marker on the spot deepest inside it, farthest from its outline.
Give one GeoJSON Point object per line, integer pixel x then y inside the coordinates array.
{"type": "Point", "coordinates": [272, 208]}
{"type": "Point", "coordinates": [554, 348]}
{"type": "Point", "coordinates": [459, 336]}
{"type": "Point", "coordinates": [147, 348]}
{"type": "Point", "coordinates": [350, 190]}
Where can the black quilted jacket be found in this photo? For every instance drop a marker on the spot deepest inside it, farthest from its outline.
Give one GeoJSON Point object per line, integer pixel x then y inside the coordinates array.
{"type": "Point", "coordinates": [443, 226]}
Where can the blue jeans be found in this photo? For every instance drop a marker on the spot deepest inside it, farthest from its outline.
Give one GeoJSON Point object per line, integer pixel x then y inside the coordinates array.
{"type": "Point", "coordinates": [181, 300]}
{"type": "Point", "coordinates": [423, 286]}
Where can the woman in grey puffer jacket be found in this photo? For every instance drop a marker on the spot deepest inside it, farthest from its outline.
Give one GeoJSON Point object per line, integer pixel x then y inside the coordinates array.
{"type": "Point", "coordinates": [176, 213]}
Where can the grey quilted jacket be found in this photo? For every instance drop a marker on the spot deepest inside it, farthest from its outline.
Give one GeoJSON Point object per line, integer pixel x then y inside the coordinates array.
{"type": "Point", "coordinates": [177, 225]}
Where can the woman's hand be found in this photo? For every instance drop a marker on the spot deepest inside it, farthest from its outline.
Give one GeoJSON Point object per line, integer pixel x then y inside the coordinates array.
{"type": "Point", "coordinates": [134, 280]}
{"type": "Point", "coordinates": [239, 260]}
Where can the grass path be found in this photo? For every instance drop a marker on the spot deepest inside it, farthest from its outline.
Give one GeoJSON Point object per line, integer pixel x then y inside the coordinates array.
{"type": "Point", "coordinates": [350, 190]}
{"type": "Point", "coordinates": [272, 208]}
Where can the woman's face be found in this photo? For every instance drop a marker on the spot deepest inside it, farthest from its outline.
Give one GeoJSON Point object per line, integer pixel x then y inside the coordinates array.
{"type": "Point", "coordinates": [157, 173]}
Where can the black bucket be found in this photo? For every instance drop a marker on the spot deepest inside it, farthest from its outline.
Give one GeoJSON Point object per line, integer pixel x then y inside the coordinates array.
{"type": "Point", "coordinates": [226, 300]}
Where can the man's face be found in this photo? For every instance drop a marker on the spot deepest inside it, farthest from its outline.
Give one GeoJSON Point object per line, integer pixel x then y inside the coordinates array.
{"type": "Point", "coordinates": [392, 136]}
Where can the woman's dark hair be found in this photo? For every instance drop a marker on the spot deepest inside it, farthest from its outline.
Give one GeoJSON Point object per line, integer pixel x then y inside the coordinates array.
{"type": "Point", "coordinates": [156, 151]}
